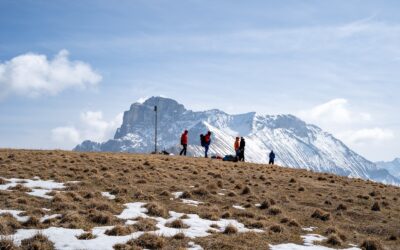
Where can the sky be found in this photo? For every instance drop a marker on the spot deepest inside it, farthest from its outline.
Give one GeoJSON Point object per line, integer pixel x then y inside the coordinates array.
{"type": "Point", "coordinates": [68, 69]}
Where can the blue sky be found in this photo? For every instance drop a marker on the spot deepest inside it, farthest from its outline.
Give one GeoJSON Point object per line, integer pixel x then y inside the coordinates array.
{"type": "Point", "coordinates": [69, 68]}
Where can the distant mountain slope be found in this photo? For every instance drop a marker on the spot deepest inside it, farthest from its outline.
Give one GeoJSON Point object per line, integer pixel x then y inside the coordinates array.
{"type": "Point", "coordinates": [392, 166]}
{"type": "Point", "coordinates": [297, 144]}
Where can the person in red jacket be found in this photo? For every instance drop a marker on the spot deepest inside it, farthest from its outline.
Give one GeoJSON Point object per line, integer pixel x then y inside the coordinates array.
{"type": "Point", "coordinates": [184, 142]}
{"type": "Point", "coordinates": [236, 147]}
{"type": "Point", "coordinates": [207, 142]}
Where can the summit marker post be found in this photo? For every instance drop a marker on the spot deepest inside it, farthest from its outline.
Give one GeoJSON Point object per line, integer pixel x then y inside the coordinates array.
{"type": "Point", "coordinates": [155, 131]}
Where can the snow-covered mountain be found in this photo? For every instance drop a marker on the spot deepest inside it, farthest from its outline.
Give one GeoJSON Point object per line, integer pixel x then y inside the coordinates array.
{"type": "Point", "coordinates": [296, 143]}
{"type": "Point", "coordinates": [392, 166]}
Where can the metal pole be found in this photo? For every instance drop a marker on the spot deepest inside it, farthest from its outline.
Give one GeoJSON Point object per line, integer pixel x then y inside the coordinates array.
{"type": "Point", "coordinates": [155, 132]}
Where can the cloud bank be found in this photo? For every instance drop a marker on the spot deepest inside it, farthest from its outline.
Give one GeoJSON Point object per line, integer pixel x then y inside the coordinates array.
{"type": "Point", "coordinates": [34, 75]}
{"type": "Point", "coordinates": [351, 126]}
{"type": "Point", "coordinates": [334, 111]}
{"type": "Point", "coordinates": [92, 127]}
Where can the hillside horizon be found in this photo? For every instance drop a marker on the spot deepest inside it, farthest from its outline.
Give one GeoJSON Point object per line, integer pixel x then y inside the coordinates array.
{"type": "Point", "coordinates": [97, 199]}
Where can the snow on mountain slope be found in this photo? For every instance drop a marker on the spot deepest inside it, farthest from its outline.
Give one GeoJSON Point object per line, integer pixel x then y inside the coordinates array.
{"type": "Point", "coordinates": [392, 166]}
{"type": "Point", "coordinates": [296, 144]}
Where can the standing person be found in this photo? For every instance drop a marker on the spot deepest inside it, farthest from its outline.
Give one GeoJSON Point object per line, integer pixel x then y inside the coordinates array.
{"type": "Point", "coordinates": [271, 157]}
{"type": "Point", "coordinates": [241, 148]}
{"type": "Point", "coordinates": [236, 147]}
{"type": "Point", "coordinates": [207, 142]}
{"type": "Point", "coordinates": [184, 142]}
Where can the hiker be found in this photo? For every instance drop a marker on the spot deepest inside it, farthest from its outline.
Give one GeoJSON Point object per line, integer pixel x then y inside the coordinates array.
{"type": "Point", "coordinates": [236, 147]}
{"type": "Point", "coordinates": [206, 143]}
{"type": "Point", "coordinates": [242, 145]}
{"type": "Point", "coordinates": [184, 142]}
{"type": "Point", "coordinates": [271, 157]}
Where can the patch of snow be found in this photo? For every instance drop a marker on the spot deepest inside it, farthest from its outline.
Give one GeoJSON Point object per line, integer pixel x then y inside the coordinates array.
{"type": "Point", "coordinates": [238, 207]}
{"type": "Point", "coordinates": [309, 229]}
{"type": "Point", "coordinates": [74, 182]}
{"type": "Point", "coordinates": [191, 202]}
{"type": "Point", "coordinates": [222, 194]}
{"type": "Point", "coordinates": [42, 193]}
{"type": "Point", "coordinates": [257, 205]}
{"type": "Point", "coordinates": [46, 209]}
{"type": "Point", "coordinates": [15, 214]}
{"type": "Point", "coordinates": [186, 201]}
{"type": "Point", "coordinates": [308, 240]}
{"type": "Point", "coordinates": [108, 195]}
{"type": "Point", "coordinates": [39, 187]}
{"type": "Point", "coordinates": [198, 227]}
{"type": "Point", "coordinates": [49, 217]}
{"type": "Point", "coordinates": [64, 238]}
{"type": "Point", "coordinates": [194, 246]}
{"type": "Point", "coordinates": [177, 194]}
{"type": "Point", "coordinates": [133, 211]}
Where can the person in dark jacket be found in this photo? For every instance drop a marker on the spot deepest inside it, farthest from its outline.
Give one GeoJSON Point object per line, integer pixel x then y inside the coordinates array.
{"type": "Point", "coordinates": [184, 142]}
{"type": "Point", "coordinates": [271, 158]}
{"type": "Point", "coordinates": [207, 142]}
{"type": "Point", "coordinates": [241, 148]}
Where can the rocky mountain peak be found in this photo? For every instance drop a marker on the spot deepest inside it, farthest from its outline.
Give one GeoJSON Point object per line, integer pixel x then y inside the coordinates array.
{"type": "Point", "coordinates": [296, 143]}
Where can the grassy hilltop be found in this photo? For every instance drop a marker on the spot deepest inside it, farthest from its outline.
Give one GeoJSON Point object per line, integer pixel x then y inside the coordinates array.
{"type": "Point", "coordinates": [280, 201]}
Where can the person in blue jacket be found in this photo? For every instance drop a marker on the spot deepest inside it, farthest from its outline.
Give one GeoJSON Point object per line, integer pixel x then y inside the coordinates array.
{"type": "Point", "coordinates": [271, 157]}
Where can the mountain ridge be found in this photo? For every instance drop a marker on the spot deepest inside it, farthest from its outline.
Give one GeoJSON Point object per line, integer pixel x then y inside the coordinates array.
{"type": "Point", "coordinates": [296, 143]}
{"type": "Point", "coordinates": [393, 167]}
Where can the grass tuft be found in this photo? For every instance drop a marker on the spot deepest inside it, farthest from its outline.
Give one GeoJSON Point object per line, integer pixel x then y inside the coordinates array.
{"type": "Point", "coordinates": [371, 244]}
{"type": "Point", "coordinates": [322, 215]}
{"type": "Point", "coordinates": [230, 229]}
{"type": "Point", "coordinates": [39, 242]}
{"type": "Point", "coordinates": [7, 244]}
{"type": "Point", "coordinates": [149, 241]}
{"type": "Point", "coordinates": [176, 224]}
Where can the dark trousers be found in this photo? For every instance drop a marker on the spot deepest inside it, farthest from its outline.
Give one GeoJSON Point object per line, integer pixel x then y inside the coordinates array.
{"type": "Point", "coordinates": [271, 161]}
{"type": "Point", "coordinates": [183, 151]}
{"type": "Point", "coordinates": [206, 150]}
{"type": "Point", "coordinates": [240, 154]}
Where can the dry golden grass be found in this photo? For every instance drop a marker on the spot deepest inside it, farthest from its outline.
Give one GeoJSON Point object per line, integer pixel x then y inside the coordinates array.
{"type": "Point", "coordinates": [7, 244]}
{"type": "Point", "coordinates": [8, 224]}
{"type": "Point", "coordinates": [86, 236]}
{"type": "Point", "coordinates": [345, 210]}
{"type": "Point", "coordinates": [38, 241]}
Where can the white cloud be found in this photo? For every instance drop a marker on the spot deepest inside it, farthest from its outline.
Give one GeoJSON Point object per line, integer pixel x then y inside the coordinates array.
{"type": "Point", "coordinates": [334, 111]}
{"type": "Point", "coordinates": [368, 135]}
{"type": "Point", "coordinates": [35, 75]}
{"type": "Point", "coordinates": [66, 136]}
{"type": "Point", "coordinates": [354, 128]}
{"type": "Point", "coordinates": [92, 127]}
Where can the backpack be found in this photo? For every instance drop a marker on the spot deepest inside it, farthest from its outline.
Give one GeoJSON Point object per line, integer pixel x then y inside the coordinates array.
{"type": "Point", "coordinates": [230, 158]}
{"type": "Point", "coordinates": [202, 140]}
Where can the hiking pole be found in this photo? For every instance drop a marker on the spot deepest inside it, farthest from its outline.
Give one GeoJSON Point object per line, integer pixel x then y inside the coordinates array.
{"type": "Point", "coordinates": [155, 131]}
